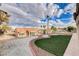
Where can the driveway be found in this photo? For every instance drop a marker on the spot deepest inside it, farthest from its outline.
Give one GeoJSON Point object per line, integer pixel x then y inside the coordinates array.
{"type": "Point", "coordinates": [16, 47]}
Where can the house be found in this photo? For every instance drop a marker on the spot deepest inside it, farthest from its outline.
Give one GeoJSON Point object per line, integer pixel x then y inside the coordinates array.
{"type": "Point", "coordinates": [25, 32]}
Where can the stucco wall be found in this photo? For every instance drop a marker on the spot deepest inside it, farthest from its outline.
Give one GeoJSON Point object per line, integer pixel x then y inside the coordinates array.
{"type": "Point", "coordinates": [26, 31]}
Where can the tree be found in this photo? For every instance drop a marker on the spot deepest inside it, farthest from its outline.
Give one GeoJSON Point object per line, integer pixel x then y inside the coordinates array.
{"type": "Point", "coordinates": [70, 28]}
{"type": "Point", "coordinates": [4, 17]}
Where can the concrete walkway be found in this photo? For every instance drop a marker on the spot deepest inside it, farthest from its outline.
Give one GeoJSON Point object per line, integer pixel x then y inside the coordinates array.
{"type": "Point", "coordinates": [16, 47]}
{"type": "Point", "coordinates": [73, 47]}
{"type": "Point", "coordinates": [3, 37]}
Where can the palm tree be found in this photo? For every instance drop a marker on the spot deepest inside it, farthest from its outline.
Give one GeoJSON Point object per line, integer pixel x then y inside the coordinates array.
{"type": "Point", "coordinates": [3, 16]}
{"type": "Point", "coordinates": [49, 15]}
{"type": "Point", "coordinates": [48, 18]}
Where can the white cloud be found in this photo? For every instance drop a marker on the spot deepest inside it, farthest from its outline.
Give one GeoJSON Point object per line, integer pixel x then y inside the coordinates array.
{"type": "Point", "coordinates": [36, 10]}
{"type": "Point", "coordinates": [72, 23]}
{"type": "Point", "coordinates": [32, 13]}
{"type": "Point", "coordinates": [70, 8]}
{"type": "Point", "coordinates": [61, 11]}
{"type": "Point", "coordinates": [39, 10]}
{"type": "Point", "coordinates": [18, 15]}
{"type": "Point", "coordinates": [52, 9]}
{"type": "Point", "coordinates": [59, 23]}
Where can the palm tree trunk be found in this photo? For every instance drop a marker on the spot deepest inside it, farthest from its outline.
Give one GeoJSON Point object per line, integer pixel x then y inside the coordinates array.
{"type": "Point", "coordinates": [47, 26]}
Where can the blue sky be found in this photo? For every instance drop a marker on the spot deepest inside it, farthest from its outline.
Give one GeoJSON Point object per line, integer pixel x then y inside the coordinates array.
{"type": "Point", "coordinates": [63, 15]}
{"type": "Point", "coordinates": [62, 5]}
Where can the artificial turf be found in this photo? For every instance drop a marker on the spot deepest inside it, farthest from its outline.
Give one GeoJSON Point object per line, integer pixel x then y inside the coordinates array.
{"type": "Point", "coordinates": [56, 44]}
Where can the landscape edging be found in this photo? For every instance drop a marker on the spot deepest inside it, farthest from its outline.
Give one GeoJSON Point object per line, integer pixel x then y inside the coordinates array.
{"type": "Point", "coordinates": [37, 51]}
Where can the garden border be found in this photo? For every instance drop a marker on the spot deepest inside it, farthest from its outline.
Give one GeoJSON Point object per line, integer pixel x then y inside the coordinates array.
{"type": "Point", "coordinates": [37, 51]}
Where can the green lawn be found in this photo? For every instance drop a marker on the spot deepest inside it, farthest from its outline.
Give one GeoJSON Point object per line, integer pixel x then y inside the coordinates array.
{"type": "Point", "coordinates": [56, 44]}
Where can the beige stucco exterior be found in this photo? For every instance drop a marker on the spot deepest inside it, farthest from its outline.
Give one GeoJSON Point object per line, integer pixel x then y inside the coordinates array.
{"type": "Point", "coordinates": [25, 32]}
{"type": "Point", "coordinates": [77, 23]}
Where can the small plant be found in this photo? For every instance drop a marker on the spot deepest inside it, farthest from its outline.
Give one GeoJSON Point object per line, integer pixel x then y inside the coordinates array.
{"type": "Point", "coordinates": [44, 31]}
{"type": "Point", "coordinates": [4, 28]}
{"type": "Point", "coordinates": [53, 28]}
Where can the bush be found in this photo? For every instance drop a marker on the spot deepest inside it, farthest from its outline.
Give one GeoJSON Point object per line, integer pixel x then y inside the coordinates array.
{"type": "Point", "coordinates": [53, 28]}
{"type": "Point", "coordinates": [70, 29]}
{"type": "Point", "coordinates": [3, 28]}
{"type": "Point", "coordinates": [1, 32]}
{"type": "Point", "coordinates": [44, 31]}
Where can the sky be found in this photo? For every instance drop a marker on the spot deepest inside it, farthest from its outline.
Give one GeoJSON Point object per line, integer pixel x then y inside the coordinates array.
{"type": "Point", "coordinates": [30, 14]}
{"type": "Point", "coordinates": [64, 16]}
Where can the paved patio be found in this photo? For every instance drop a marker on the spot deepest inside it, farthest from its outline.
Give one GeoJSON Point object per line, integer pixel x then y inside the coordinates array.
{"type": "Point", "coordinates": [73, 47]}
{"type": "Point", "coordinates": [20, 47]}
{"type": "Point", "coordinates": [6, 37]}
{"type": "Point", "coordinates": [16, 47]}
